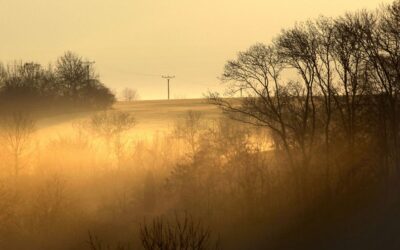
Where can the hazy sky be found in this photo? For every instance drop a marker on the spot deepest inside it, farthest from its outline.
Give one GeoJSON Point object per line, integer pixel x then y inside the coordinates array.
{"type": "Point", "coordinates": [135, 41]}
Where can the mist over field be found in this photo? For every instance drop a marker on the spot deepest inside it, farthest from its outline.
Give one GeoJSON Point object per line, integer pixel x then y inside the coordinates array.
{"type": "Point", "coordinates": [298, 147]}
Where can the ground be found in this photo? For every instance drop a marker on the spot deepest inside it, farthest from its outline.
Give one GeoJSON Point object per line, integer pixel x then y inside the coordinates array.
{"type": "Point", "coordinates": [151, 116]}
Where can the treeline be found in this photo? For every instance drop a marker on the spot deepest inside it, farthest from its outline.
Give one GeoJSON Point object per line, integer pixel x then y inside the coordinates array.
{"type": "Point", "coordinates": [70, 84]}
{"type": "Point", "coordinates": [328, 92]}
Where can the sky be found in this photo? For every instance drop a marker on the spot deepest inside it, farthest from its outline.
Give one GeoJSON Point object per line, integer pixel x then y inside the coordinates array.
{"type": "Point", "coordinates": [134, 42]}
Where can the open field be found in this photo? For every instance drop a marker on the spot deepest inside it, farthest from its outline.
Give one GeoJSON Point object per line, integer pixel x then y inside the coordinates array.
{"type": "Point", "coordinates": [151, 116]}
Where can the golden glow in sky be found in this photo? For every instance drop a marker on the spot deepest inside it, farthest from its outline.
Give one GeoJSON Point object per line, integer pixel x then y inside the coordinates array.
{"type": "Point", "coordinates": [133, 42]}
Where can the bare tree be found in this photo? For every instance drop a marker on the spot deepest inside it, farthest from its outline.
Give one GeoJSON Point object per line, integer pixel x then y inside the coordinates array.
{"type": "Point", "coordinates": [352, 71]}
{"type": "Point", "coordinates": [381, 43]}
{"type": "Point", "coordinates": [16, 132]}
{"type": "Point", "coordinates": [189, 130]}
{"type": "Point", "coordinates": [130, 94]}
{"type": "Point", "coordinates": [286, 108]}
{"type": "Point", "coordinates": [74, 73]}
{"type": "Point", "coordinates": [324, 68]}
{"type": "Point", "coordinates": [110, 126]}
{"type": "Point", "coordinates": [258, 71]}
{"type": "Point", "coordinates": [298, 49]}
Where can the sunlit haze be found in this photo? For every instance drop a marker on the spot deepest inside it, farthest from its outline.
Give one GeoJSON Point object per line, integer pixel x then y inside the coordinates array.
{"type": "Point", "coordinates": [279, 128]}
{"type": "Point", "coordinates": [135, 42]}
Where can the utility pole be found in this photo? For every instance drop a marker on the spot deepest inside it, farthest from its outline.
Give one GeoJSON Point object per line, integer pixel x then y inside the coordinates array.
{"type": "Point", "coordinates": [168, 78]}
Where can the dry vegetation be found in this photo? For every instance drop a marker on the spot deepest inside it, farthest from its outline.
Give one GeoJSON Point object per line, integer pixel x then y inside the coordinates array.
{"type": "Point", "coordinates": [307, 163]}
{"type": "Point", "coordinates": [102, 179]}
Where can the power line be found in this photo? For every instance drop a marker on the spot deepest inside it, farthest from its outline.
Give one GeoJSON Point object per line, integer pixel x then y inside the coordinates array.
{"type": "Point", "coordinates": [144, 74]}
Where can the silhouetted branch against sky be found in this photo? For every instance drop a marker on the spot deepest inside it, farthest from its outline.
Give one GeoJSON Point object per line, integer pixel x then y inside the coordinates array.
{"type": "Point", "coordinates": [132, 40]}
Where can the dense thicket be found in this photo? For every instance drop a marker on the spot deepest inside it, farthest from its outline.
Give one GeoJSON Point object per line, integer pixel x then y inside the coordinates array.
{"type": "Point", "coordinates": [71, 84]}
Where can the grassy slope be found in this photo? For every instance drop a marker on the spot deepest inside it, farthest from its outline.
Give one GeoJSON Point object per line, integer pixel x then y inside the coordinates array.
{"type": "Point", "coordinates": [151, 116]}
